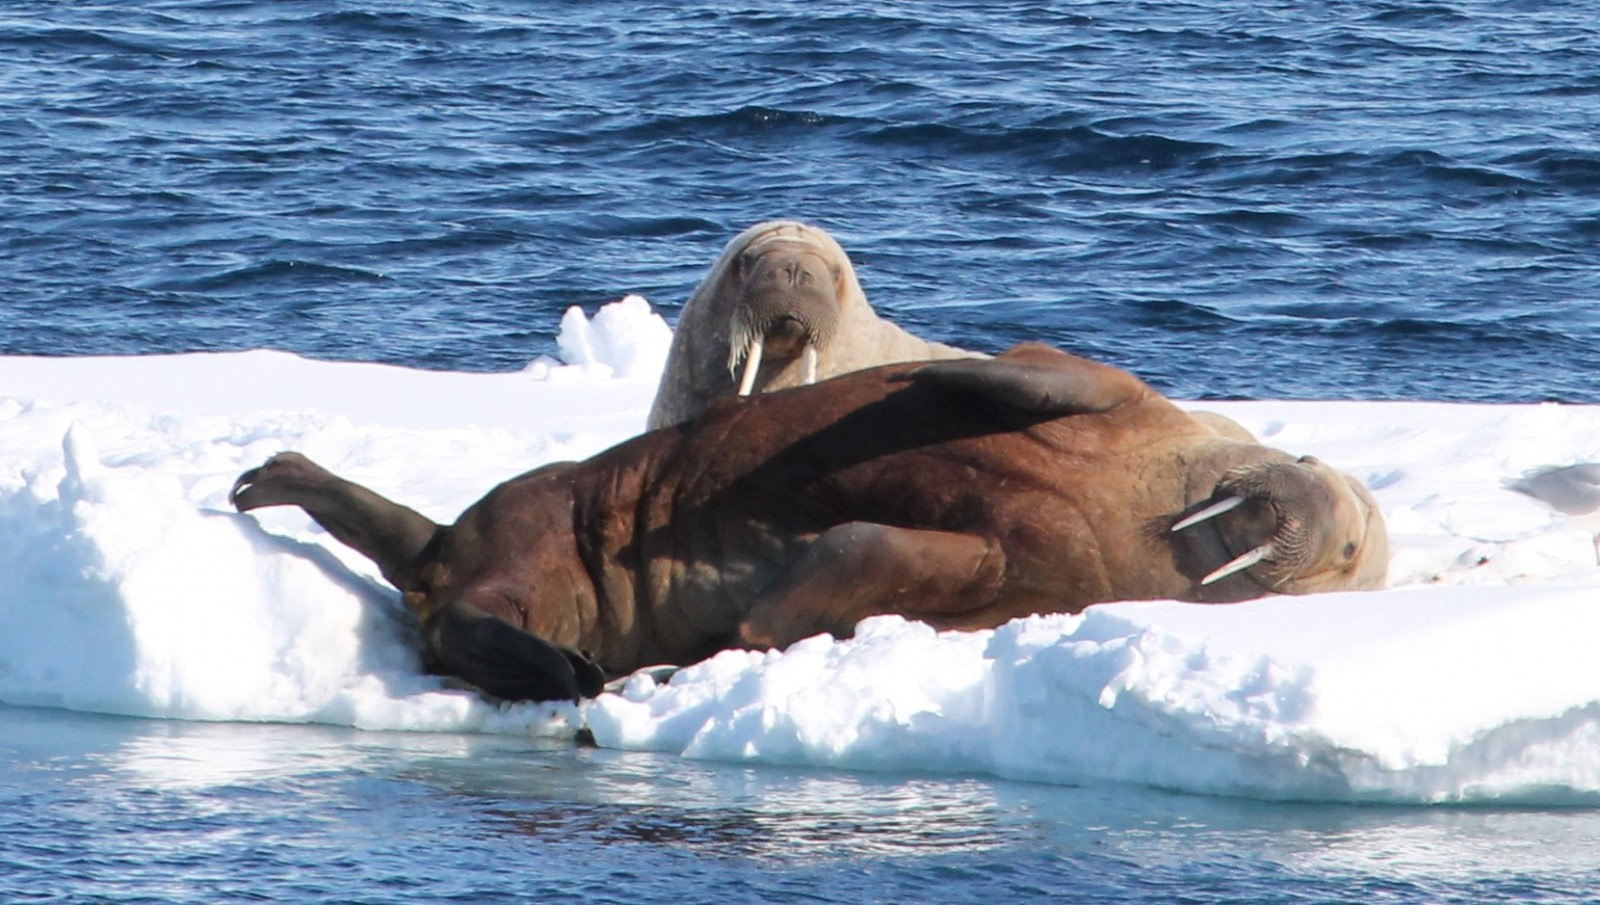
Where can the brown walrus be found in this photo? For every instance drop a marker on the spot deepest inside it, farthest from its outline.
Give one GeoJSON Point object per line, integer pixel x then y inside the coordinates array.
{"type": "Point", "coordinates": [963, 493]}
{"type": "Point", "coordinates": [782, 301]}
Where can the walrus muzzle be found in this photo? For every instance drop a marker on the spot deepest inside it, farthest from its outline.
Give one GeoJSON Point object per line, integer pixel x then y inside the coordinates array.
{"type": "Point", "coordinates": [788, 307]}
{"type": "Point", "coordinates": [1295, 527]}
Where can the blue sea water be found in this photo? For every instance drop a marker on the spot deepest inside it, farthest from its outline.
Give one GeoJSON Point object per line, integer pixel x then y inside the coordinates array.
{"type": "Point", "coordinates": [1335, 199]}
{"type": "Point", "coordinates": [1347, 198]}
{"type": "Point", "coordinates": [101, 809]}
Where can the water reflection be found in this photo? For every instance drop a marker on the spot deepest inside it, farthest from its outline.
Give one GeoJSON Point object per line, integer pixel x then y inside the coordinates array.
{"type": "Point", "coordinates": [727, 810]}
{"type": "Point", "coordinates": [124, 804]}
{"type": "Point", "coordinates": [1334, 843]}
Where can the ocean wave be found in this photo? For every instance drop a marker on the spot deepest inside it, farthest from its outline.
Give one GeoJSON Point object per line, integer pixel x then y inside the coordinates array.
{"type": "Point", "coordinates": [387, 23]}
{"type": "Point", "coordinates": [279, 273]}
{"type": "Point", "coordinates": [1423, 15]}
{"type": "Point", "coordinates": [991, 173]}
{"type": "Point", "coordinates": [79, 40]}
{"type": "Point", "coordinates": [1068, 149]}
{"type": "Point", "coordinates": [755, 117]}
{"type": "Point", "coordinates": [1560, 168]}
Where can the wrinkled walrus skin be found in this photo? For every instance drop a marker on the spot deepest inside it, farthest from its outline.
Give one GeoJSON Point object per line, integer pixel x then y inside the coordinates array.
{"type": "Point", "coordinates": [963, 493]}
{"type": "Point", "coordinates": [782, 292]}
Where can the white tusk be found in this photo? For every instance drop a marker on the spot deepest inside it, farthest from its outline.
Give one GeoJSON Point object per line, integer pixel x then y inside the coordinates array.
{"type": "Point", "coordinates": [1239, 564]}
{"type": "Point", "coordinates": [809, 359]}
{"type": "Point", "coordinates": [752, 363]}
{"type": "Point", "coordinates": [1212, 511]}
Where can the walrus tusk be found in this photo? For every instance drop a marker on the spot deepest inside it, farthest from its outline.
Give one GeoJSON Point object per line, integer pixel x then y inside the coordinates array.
{"type": "Point", "coordinates": [809, 359]}
{"type": "Point", "coordinates": [1239, 564]}
{"type": "Point", "coordinates": [752, 363]}
{"type": "Point", "coordinates": [1215, 509]}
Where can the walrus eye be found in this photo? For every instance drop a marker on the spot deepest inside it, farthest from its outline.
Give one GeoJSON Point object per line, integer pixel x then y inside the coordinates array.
{"type": "Point", "coordinates": [1350, 550]}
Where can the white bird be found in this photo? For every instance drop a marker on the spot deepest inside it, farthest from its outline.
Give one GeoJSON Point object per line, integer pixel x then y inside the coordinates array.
{"type": "Point", "coordinates": [1572, 490]}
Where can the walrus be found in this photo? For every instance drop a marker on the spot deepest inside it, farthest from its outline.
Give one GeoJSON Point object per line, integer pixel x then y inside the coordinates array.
{"type": "Point", "coordinates": [781, 307]}
{"type": "Point", "coordinates": [963, 493]}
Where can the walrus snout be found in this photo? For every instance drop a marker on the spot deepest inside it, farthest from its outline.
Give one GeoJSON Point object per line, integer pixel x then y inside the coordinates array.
{"type": "Point", "coordinates": [776, 268]}
{"type": "Point", "coordinates": [1295, 527]}
{"type": "Point", "coordinates": [788, 308]}
{"type": "Point", "coordinates": [786, 337]}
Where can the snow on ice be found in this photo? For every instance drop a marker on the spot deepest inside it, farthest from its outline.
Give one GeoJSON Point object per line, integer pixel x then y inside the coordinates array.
{"type": "Point", "coordinates": [129, 586]}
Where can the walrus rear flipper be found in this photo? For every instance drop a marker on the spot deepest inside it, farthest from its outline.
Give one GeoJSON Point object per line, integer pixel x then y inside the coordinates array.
{"type": "Point", "coordinates": [1038, 380]}
{"type": "Point", "coordinates": [386, 532]}
{"type": "Point", "coordinates": [505, 661]}
{"type": "Point", "coordinates": [862, 569]}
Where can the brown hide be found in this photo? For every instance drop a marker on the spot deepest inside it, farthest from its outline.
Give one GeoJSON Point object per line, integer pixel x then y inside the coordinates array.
{"type": "Point", "coordinates": [959, 493]}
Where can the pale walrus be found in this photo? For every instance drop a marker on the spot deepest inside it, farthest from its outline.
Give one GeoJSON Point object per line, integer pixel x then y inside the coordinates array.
{"type": "Point", "coordinates": [780, 308]}
{"type": "Point", "coordinates": [963, 493]}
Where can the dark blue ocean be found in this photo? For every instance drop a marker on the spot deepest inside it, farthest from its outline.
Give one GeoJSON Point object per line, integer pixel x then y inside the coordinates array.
{"type": "Point", "coordinates": [1333, 199]}
{"type": "Point", "coordinates": [1319, 199]}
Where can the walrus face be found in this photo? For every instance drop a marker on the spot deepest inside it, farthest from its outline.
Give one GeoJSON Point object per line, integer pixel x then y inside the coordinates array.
{"type": "Point", "coordinates": [1295, 528]}
{"type": "Point", "coordinates": [787, 308]}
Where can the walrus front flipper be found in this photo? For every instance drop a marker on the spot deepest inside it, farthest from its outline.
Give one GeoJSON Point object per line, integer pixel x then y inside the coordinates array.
{"type": "Point", "coordinates": [386, 532]}
{"type": "Point", "coordinates": [862, 569]}
{"type": "Point", "coordinates": [505, 661]}
{"type": "Point", "coordinates": [1037, 379]}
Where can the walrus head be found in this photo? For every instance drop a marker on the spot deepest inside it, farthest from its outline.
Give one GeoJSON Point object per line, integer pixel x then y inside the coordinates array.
{"type": "Point", "coordinates": [1293, 528]}
{"type": "Point", "coordinates": [787, 307]}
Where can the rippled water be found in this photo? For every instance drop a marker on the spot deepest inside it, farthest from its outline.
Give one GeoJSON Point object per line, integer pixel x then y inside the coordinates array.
{"type": "Point", "coordinates": [1281, 199]}
{"type": "Point", "coordinates": [102, 809]}
{"type": "Point", "coordinates": [1347, 198]}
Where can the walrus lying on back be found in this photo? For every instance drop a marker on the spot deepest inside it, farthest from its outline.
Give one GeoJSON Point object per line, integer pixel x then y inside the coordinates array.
{"type": "Point", "coordinates": [963, 493]}
{"type": "Point", "coordinates": [780, 308]}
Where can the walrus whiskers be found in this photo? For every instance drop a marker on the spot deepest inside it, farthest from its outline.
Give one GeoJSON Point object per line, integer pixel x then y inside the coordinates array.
{"type": "Point", "coordinates": [753, 349]}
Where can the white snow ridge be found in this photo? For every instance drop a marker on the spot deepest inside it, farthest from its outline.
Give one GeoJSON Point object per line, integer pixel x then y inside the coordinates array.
{"type": "Point", "coordinates": [128, 585]}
